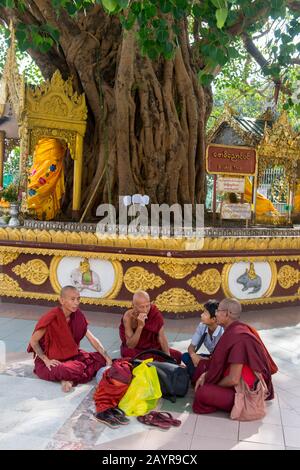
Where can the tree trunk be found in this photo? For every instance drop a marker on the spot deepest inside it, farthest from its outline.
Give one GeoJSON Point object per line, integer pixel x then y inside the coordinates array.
{"type": "Point", "coordinates": [146, 125]}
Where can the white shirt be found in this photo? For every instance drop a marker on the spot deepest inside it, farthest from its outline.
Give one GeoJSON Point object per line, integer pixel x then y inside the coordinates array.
{"type": "Point", "coordinates": [202, 336]}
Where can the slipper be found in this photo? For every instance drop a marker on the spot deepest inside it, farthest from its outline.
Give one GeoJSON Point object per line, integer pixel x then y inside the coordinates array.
{"type": "Point", "coordinates": [119, 415]}
{"type": "Point", "coordinates": [108, 419]}
{"type": "Point", "coordinates": [153, 421]}
{"type": "Point", "coordinates": [166, 418]}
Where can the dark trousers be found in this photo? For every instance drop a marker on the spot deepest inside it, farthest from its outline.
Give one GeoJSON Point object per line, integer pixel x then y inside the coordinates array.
{"type": "Point", "coordinates": [187, 360]}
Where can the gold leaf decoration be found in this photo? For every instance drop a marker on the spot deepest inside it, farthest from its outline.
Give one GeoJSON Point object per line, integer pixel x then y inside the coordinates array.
{"type": "Point", "coordinates": [35, 271]}
{"type": "Point", "coordinates": [138, 278]}
{"type": "Point", "coordinates": [7, 284]}
{"type": "Point", "coordinates": [177, 300]}
{"type": "Point", "coordinates": [208, 282]}
{"type": "Point", "coordinates": [288, 276]}
{"type": "Point", "coordinates": [177, 271]}
{"type": "Point", "coordinates": [6, 258]}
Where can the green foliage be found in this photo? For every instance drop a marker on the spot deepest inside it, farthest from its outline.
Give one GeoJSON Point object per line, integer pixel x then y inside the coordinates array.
{"type": "Point", "coordinates": [11, 165]}
{"type": "Point", "coordinates": [26, 64]}
{"type": "Point", "coordinates": [158, 23]}
{"type": "Point", "coordinates": [11, 193]}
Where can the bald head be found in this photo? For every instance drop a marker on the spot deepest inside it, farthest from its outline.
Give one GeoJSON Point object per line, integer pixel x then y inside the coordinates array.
{"type": "Point", "coordinates": [65, 291]}
{"type": "Point", "coordinates": [233, 307]}
{"type": "Point", "coordinates": [140, 295]}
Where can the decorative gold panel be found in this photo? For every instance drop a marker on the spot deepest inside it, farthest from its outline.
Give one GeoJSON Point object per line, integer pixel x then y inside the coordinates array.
{"type": "Point", "coordinates": [35, 271]}
{"type": "Point", "coordinates": [177, 300]}
{"type": "Point", "coordinates": [6, 258]}
{"type": "Point", "coordinates": [8, 284]}
{"type": "Point", "coordinates": [288, 276]}
{"type": "Point", "coordinates": [208, 282]}
{"type": "Point", "coordinates": [138, 278]}
{"type": "Point", "coordinates": [176, 270]}
{"type": "Point", "coordinates": [55, 98]}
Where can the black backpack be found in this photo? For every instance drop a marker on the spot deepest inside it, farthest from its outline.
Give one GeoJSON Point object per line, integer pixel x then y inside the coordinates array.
{"type": "Point", "coordinates": [174, 380]}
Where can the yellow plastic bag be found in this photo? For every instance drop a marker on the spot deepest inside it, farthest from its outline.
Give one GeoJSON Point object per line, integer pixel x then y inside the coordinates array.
{"type": "Point", "coordinates": [144, 391]}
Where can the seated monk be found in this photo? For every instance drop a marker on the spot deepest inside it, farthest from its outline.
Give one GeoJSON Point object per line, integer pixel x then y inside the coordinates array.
{"type": "Point", "coordinates": [55, 344]}
{"type": "Point", "coordinates": [239, 353]}
{"type": "Point", "coordinates": [142, 327]}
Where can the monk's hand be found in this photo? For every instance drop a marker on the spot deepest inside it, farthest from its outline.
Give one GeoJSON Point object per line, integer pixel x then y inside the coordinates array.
{"type": "Point", "coordinates": [51, 363]}
{"type": "Point", "coordinates": [201, 381]}
{"type": "Point", "coordinates": [195, 359]}
{"type": "Point", "coordinates": [141, 319]}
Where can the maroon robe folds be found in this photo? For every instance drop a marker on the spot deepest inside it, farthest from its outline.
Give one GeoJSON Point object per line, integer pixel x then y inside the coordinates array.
{"type": "Point", "coordinates": [61, 341]}
{"type": "Point", "coordinates": [148, 339]}
{"type": "Point", "coordinates": [113, 385]}
{"type": "Point", "coordinates": [238, 345]}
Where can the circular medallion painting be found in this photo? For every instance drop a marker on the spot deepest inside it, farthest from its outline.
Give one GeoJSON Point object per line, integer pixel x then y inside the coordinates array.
{"type": "Point", "coordinates": [92, 277]}
{"type": "Point", "coordinates": [249, 280]}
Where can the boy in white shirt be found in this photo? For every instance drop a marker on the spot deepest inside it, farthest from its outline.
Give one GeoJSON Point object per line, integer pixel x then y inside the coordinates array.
{"type": "Point", "coordinates": [208, 332]}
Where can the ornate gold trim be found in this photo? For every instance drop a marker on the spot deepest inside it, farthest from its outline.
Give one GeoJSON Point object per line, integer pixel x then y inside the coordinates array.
{"type": "Point", "coordinates": [177, 300]}
{"type": "Point", "coordinates": [138, 278]}
{"type": "Point", "coordinates": [208, 282]}
{"type": "Point", "coordinates": [8, 284]}
{"type": "Point", "coordinates": [148, 258]}
{"type": "Point", "coordinates": [288, 276]}
{"type": "Point", "coordinates": [35, 271]}
{"type": "Point", "coordinates": [128, 303]}
{"type": "Point", "coordinates": [269, 291]}
{"type": "Point", "coordinates": [54, 298]}
{"type": "Point", "coordinates": [208, 243]}
{"type": "Point", "coordinates": [177, 271]}
{"type": "Point", "coordinates": [6, 258]}
{"type": "Point", "coordinates": [111, 294]}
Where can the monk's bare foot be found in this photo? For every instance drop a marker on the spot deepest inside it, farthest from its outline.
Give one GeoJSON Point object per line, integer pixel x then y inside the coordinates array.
{"type": "Point", "coordinates": [66, 386]}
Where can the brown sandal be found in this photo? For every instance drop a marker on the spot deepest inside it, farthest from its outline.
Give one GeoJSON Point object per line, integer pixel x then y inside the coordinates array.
{"type": "Point", "coordinates": [166, 417]}
{"type": "Point", "coordinates": [152, 420]}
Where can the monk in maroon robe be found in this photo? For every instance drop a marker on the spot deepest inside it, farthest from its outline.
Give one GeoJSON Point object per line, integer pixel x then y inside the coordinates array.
{"type": "Point", "coordinates": [55, 344]}
{"type": "Point", "coordinates": [142, 327]}
{"type": "Point", "coordinates": [239, 353]}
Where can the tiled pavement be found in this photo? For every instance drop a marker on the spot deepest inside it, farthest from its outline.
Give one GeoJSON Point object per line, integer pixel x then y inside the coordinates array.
{"type": "Point", "coordinates": [36, 415]}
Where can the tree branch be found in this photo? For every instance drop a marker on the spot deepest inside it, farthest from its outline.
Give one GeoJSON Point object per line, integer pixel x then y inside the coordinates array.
{"type": "Point", "coordinates": [253, 51]}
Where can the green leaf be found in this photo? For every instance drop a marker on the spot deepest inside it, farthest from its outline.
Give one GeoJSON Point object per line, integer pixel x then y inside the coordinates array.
{"type": "Point", "coordinates": [162, 35]}
{"type": "Point", "coordinates": [165, 6]}
{"type": "Point", "coordinates": [21, 35]}
{"type": "Point", "coordinates": [205, 78]}
{"type": "Point", "coordinates": [110, 5]}
{"type": "Point", "coordinates": [219, 3]}
{"type": "Point", "coordinates": [168, 50]}
{"type": "Point", "coordinates": [221, 15]}
{"type": "Point", "coordinates": [232, 53]}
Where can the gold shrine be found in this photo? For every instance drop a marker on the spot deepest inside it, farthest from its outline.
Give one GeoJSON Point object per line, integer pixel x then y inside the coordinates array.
{"type": "Point", "coordinates": [275, 142]}
{"type": "Point", "coordinates": [51, 110]}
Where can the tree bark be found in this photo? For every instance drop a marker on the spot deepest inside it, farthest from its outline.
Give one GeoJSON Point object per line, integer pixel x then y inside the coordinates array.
{"type": "Point", "coordinates": [146, 124]}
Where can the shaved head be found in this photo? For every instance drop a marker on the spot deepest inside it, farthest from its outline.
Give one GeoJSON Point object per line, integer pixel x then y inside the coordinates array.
{"type": "Point", "coordinates": [140, 295]}
{"type": "Point", "coordinates": [233, 307]}
{"type": "Point", "coordinates": [65, 290]}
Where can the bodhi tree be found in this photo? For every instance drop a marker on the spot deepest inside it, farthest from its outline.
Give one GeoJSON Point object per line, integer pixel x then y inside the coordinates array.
{"type": "Point", "coordinates": [146, 68]}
